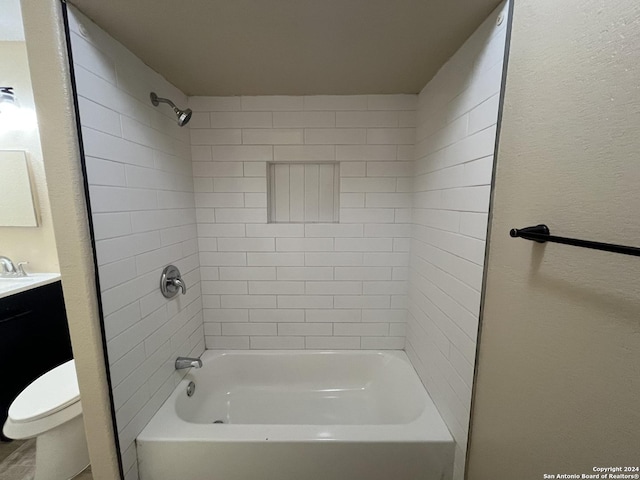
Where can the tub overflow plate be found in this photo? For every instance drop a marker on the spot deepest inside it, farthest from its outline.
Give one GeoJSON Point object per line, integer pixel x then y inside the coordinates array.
{"type": "Point", "coordinates": [191, 388]}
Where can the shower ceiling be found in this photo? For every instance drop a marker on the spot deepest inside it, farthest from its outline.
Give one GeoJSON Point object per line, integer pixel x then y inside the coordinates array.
{"type": "Point", "coordinates": [291, 47]}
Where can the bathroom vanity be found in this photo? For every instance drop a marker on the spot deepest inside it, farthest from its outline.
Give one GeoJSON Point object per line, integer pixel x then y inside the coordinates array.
{"type": "Point", "coordinates": [34, 336]}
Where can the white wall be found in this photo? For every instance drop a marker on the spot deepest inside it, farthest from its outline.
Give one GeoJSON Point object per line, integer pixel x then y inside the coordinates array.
{"type": "Point", "coordinates": [141, 194]}
{"type": "Point", "coordinates": [456, 130]}
{"type": "Point", "coordinates": [303, 285]}
{"type": "Point", "coordinates": [36, 245]}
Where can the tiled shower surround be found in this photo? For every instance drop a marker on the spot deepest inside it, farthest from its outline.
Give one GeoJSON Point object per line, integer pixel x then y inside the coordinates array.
{"type": "Point", "coordinates": [403, 261]}
{"type": "Point", "coordinates": [313, 285]}
{"type": "Point", "coordinates": [455, 141]}
{"type": "Point", "coordinates": [141, 193]}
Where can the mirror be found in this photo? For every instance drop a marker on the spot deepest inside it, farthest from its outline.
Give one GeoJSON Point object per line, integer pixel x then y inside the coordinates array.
{"type": "Point", "coordinates": [16, 201]}
{"type": "Point", "coordinates": [20, 176]}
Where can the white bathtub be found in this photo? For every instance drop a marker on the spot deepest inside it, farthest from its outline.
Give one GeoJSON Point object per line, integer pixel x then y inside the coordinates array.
{"type": "Point", "coordinates": [296, 415]}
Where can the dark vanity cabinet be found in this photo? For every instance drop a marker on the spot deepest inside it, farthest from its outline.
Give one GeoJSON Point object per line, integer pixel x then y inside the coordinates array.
{"type": "Point", "coordinates": [34, 338]}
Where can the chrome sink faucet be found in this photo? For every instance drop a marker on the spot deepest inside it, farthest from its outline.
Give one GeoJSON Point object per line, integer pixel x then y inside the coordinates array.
{"type": "Point", "coordinates": [186, 362]}
{"type": "Point", "coordinates": [8, 269]}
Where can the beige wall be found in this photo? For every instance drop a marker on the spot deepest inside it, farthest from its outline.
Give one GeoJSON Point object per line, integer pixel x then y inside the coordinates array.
{"type": "Point", "coordinates": [52, 92]}
{"type": "Point", "coordinates": [35, 245]}
{"type": "Point", "coordinates": [558, 382]}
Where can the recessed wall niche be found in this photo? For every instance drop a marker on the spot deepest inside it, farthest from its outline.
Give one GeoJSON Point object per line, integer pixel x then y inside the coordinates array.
{"type": "Point", "coordinates": [303, 192]}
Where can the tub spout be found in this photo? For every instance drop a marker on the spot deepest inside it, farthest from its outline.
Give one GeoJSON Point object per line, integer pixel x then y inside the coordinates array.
{"type": "Point", "coordinates": [186, 362]}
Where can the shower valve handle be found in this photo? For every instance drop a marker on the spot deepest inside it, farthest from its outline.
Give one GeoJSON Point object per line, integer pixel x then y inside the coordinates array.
{"type": "Point", "coordinates": [171, 282]}
{"type": "Point", "coordinates": [178, 283]}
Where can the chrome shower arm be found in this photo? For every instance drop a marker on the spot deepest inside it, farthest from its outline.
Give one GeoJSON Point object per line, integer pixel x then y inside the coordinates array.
{"type": "Point", "coordinates": [155, 100]}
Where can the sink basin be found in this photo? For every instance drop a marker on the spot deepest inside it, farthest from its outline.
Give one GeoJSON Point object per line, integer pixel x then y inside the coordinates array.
{"type": "Point", "coordinates": [13, 285]}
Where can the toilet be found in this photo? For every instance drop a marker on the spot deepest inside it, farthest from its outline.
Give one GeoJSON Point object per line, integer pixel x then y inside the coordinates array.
{"type": "Point", "coordinates": [49, 409]}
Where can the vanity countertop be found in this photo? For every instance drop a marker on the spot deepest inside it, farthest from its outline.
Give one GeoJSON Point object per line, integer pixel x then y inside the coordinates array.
{"type": "Point", "coordinates": [12, 285]}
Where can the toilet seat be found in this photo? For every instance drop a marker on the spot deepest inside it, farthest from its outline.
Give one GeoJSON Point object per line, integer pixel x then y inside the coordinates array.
{"type": "Point", "coordinates": [50, 411]}
{"type": "Point", "coordinates": [50, 393]}
{"type": "Point", "coordinates": [24, 430]}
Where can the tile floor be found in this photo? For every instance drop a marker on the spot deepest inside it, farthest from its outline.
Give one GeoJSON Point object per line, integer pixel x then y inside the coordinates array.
{"type": "Point", "coordinates": [18, 460]}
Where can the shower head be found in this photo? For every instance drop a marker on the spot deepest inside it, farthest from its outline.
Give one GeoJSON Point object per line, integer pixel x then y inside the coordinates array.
{"type": "Point", "coordinates": [183, 115]}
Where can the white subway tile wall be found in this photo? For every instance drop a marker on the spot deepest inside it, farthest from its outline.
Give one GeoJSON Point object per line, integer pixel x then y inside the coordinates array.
{"type": "Point", "coordinates": [455, 137]}
{"type": "Point", "coordinates": [314, 285]}
{"type": "Point", "coordinates": [141, 191]}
